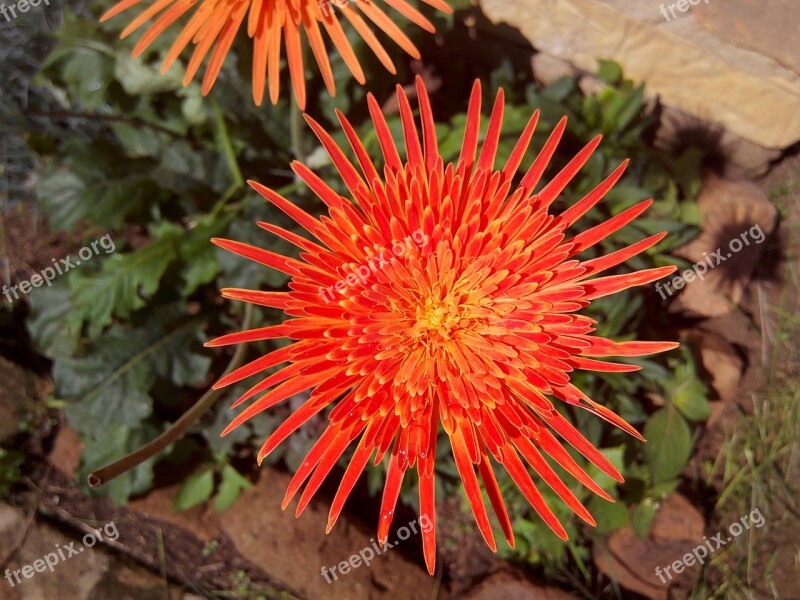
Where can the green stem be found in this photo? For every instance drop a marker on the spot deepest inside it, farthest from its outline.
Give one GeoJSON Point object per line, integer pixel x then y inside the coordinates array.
{"type": "Point", "coordinates": [296, 131]}
{"type": "Point", "coordinates": [296, 128]}
{"type": "Point", "coordinates": [227, 147]}
{"type": "Point", "coordinates": [176, 431]}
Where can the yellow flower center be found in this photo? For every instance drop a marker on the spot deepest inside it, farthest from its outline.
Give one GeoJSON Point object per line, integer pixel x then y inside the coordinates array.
{"type": "Point", "coordinates": [436, 316]}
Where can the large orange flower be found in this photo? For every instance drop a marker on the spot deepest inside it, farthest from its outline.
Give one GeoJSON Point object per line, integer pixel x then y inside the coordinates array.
{"type": "Point", "coordinates": [216, 22]}
{"type": "Point", "coordinates": [440, 295]}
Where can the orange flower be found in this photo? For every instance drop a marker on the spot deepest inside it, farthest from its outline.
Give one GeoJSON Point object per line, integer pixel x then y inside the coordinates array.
{"type": "Point", "coordinates": [216, 22]}
{"type": "Point", "coordinates": [442, 294]}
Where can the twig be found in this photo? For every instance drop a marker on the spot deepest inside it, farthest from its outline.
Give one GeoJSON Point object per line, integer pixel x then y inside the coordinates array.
{"type": "Point", "coordinates": [66, 114]}
{"type": "Point", "coordinates": [109, 472]}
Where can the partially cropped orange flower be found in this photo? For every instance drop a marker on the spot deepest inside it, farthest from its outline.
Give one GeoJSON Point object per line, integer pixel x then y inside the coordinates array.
{"type": "Point", "coordinates": [441, 294]}
{"type": "Point", "coordinates": [213, 26]}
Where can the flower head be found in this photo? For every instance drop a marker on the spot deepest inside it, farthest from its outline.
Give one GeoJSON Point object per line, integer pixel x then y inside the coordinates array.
{"type": "Point", "coordinates": [441, 295]}
{"type": "Point", "coordinates": [213, 26]}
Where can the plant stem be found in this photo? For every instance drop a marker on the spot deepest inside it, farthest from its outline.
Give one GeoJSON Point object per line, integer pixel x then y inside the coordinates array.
{"type": "Point", "coordinates": [296, 131]}
{"type": "Point", "coordinates": [176, 431]}
{"type": "Point", "coordinates": [296, 126]}
{"type": "Point", "coordinates": [227, 147]}
{"type": "Point", "coordinates": [66, 114]}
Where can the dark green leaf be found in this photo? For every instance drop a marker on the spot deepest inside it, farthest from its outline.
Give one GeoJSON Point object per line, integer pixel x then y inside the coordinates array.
{"type": "Point", "coordinates": [123, 283]}
{"type": "Point", "coordinates": [669, 443]}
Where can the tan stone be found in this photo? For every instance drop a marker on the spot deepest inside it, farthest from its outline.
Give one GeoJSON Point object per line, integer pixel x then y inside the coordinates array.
{"type": "Point", "coordinates": [75, 577]}
{"type": "Point", "coordinates": [750, 94]}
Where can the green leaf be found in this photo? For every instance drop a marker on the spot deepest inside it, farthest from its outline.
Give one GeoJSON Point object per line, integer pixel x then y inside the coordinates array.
{"type": "Point", "coordinates": [91, 190]}
{"type": "Point", "coordinates": [193, 107]}
{"type": "Point", "coordinates": [560, 88]}
{"type": "Point", "coordinates": [123, 284]}
{"type": "Point", "coordinates": [137, 140]}
{"type": "Point", "coordinates": [690, 398]}
{"type": "Point", "coordinates": [230, 488]}
{"type": "Point", "coordinates": [110, 383]}
{"type": "Point", "coordinates": [52, 325]}
{"type": "Point", "coordinates": [197, 488]}
{"type": "Point", "coordinates": [138, 78]}
{"type": "Point", "coordinates": [63, 191]}
{"type": "Point", "coordinates": [198, 255]}
{"type": "Point", "coordinates": [669, 444]}
{"type": "Point", "coordinates": [108, 444]}
{"type": "Point", "coordinates": [10, 473]}
{"type": "Point", "coordinates": [687, 392]}
{"type": "Point", "coordinates": [609, 71]}
{"type": "Point", "coordinates": [609, 516]}
{"type": "Point", "coordinates": [665, 488]}
{"type": "Point", "coordinates": [642, 517]}
{"type": "Point", "coordinates": [87, 71]}
{"type": "Point", "coordinates": [615, 455]}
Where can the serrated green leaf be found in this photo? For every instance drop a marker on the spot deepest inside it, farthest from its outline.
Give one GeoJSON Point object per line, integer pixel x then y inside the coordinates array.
{"type": "Point", "coordinates": [70, 196]}
{"type": "Point", "coordinates": [109, 445]}
{"type": "Point", "coordinates": [138, 141]}
{"type": "Point", "coordinates": [110, 383]}
{"type": "Point", "coordinates": [52, 325]}
{"type": "Point", "coordinates": [122, 285]}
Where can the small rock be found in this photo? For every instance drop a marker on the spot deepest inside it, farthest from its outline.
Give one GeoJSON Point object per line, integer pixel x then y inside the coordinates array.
{"type": "Point", "coordinates": [744, 81]}
{"type": "Point", "coordinates": [507, 587]}
{"type": "Point", "coordinates": [633, 562]}
{"type": "Point", "coordinates": [746, 24]}
{"type": "Point", "coordinates": [75, 577]}
{"type": "Point", "coordinates": [67, 451]}
{"type": "Point", "coordinates": [547, 68]}
{"type": "Point", "coordinates": [12, 524]}
{"type": "Point", "coordinates": [724, 366]}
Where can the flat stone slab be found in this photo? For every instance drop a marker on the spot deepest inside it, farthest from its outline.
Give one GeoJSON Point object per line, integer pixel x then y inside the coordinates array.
{"type": "Point", "coordinates": [716, 68]}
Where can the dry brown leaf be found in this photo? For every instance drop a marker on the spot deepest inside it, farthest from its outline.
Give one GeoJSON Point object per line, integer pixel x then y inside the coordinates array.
{"type": "Point", "coordinates": [730, 210]}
